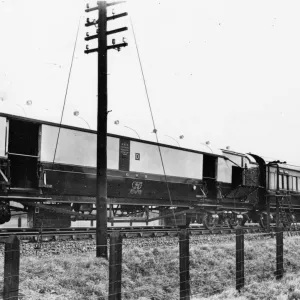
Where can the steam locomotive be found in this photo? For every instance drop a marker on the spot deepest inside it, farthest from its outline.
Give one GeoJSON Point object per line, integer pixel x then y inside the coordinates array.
{"type": "Point", "coordinates": [48, 170]}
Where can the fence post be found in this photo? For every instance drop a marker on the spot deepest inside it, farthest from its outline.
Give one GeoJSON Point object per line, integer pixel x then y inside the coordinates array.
{"type": "Point", "coordinates": [240, 279]}
{"type": "Point", "coordinates": [115, 266]}
{"type": "Point", "coordinates": [11, 268]}
{"type": "Point", "coordinates": [279, 251]}
{"type": "Point", "coordinates": [184, 264]}
{"type": "Point", "coordinates": [20, 222]}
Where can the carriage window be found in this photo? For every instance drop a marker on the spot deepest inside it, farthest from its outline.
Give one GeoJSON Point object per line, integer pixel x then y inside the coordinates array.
{"type": "Point", "coordinates": [280, 182]}
{"type": "Point", "coordinates": [285, 182]}
{"type": "Point", "coordinates": [298, 183]}
{"type": "Point", "coordinates": [290, 179]}
{"type": "Point", "coordinates": [209, 166]}
{"type": "Point", "coordinates": [272, 181]}
{"type": "Point", "coordinates": [294, 183]}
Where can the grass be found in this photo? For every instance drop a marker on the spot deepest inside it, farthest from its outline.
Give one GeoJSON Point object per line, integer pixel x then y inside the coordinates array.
{"type": "Point", "coordinates": [152, 274]}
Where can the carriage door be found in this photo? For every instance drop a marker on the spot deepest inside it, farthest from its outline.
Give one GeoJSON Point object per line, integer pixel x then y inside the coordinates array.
{"type": "Point", "coordinates": [237, 177]}
{"type": "Point", "coordinates": [23, 154]}
{"type": "Point", "coordinates": [210, 174]}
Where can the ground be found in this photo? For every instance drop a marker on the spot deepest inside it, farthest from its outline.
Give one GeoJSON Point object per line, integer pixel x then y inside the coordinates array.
{"type": "Point", "coordinates": [150, 271]}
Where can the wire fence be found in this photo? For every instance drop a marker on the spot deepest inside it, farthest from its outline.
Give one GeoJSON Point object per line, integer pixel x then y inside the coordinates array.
{"type": "Point", "coordinates": [187, 271]}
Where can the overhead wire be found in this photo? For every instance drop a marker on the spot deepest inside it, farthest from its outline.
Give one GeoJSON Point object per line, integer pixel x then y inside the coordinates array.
{"type": "Point", "coordinates": [152, 117]}
{"type": "Point", "coordinates": [66, 92]}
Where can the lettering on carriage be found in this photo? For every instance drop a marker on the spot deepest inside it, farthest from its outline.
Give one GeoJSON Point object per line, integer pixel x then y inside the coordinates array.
{"type": "Point", "coordinates": [124, 149]}
{"type": "Point", "coordinates": [124, 156]}
{"type": "Point", "coordinates": [137, 156]}
{"type": "Point", "coordinates": [136, 188]}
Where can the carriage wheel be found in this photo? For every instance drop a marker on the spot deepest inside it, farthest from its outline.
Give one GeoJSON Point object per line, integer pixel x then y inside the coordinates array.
{"type": "Point", "coordinates": [209, 222]}
{"type": "Point", "coordinates": [235, 222]}
{"type": "Point", "coordinates": [263, 221]}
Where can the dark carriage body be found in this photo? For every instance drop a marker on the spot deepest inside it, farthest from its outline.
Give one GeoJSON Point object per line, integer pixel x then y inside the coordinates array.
{"type": "Point", "coordinates": [43, 162]}
{"type": "Point", "coordinates": [283, 182]}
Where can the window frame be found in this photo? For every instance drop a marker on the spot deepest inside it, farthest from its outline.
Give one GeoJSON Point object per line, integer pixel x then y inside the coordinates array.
{"type": "Point", "coordinates": [294, 180]}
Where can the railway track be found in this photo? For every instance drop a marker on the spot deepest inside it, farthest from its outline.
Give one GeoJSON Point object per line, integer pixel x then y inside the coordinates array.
{"type": "Point", "coordinates": [77, 233]}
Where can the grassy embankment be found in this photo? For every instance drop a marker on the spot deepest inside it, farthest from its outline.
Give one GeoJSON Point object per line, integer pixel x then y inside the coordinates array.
{"type": "Point", "coordinates": [153, 273]}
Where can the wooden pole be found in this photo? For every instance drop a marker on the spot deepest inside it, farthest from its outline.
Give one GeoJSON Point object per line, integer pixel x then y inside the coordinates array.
{"type": "Point", "coordinates": [268, 213]}
{"type": "Point", "coordinates": [184, 264]}
{"type": "Point", "coordinates": [240, 277]}
{"type": "Point", "coordinates": [20, 222]}
{"type": "Point", "coordinates": [268, 203]}
{"type": "Point", "coordinates": [11, 268]}
{"type": "Point", "coordinates": [277, 194]}
{"type": "Point", "coordinates": [101, 197]}
{"type": "Point", "coordinates": [115, 266]}
{"type": "Point", "coordinates": [279, 251]}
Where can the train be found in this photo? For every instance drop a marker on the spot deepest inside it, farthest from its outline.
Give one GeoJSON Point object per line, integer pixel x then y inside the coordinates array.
{"type": "Point", "coordinates": [48, 171]}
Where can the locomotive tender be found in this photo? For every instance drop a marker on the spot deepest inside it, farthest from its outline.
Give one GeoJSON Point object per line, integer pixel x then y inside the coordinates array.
{"type": "Point", "coordinates": [49, 171]}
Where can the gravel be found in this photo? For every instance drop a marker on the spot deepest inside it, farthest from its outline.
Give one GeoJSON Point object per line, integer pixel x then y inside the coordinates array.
{"type": "Point", "coordinates": [88, 245]}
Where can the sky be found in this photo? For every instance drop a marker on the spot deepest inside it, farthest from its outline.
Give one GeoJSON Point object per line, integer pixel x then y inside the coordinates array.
{"type": "Point", "coordinates": [227, 72]}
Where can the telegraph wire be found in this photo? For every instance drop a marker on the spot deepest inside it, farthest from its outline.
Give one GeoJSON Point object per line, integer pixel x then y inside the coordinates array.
{"type": "Point", "coordinates": [144, 80]}
{"type": "Point", "coordinates": [66, 93]}
{"type": "Point", "coordinates": [152, 116]}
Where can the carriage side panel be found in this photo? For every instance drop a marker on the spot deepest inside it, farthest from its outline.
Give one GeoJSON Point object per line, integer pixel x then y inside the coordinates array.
{"type": "Point", "coordinates": [75, 147]}
{"type": "Point", "coordinates": [146, 158]}
{"type": "Point", "coordinates": [224, 170]}
{"type": "Point", "coordinates": [3, 137]}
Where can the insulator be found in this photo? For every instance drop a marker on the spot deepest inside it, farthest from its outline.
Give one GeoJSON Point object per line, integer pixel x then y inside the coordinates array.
{"type": "Point", "coordinates": [88, 20]}
{"type": "Point", "coordinates": [87, 47]}
{"type": "Point", "coordinates": [87, 5]}
{"type": "Point", "coordinates": [87, 34]}
{"type": "Point", "coordinates": [113, 41]}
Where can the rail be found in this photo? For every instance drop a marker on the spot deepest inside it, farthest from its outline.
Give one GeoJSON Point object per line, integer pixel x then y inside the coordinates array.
{"type": "Point", "coordinates": [49, 234]}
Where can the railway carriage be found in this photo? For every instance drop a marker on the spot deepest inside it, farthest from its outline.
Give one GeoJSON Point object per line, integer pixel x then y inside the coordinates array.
{"type": "Point", "coordinates": [50, 171]}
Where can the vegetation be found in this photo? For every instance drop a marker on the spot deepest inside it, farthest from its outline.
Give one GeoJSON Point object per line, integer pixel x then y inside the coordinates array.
{"type": "Point", "coordinates": [152, 273]}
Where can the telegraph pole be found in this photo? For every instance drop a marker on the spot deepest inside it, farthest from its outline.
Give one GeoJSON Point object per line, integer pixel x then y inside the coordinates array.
{"type": "Point", "coordinates": [101, 181]}
{"type": "Point", "coordinates": [101, 188]}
